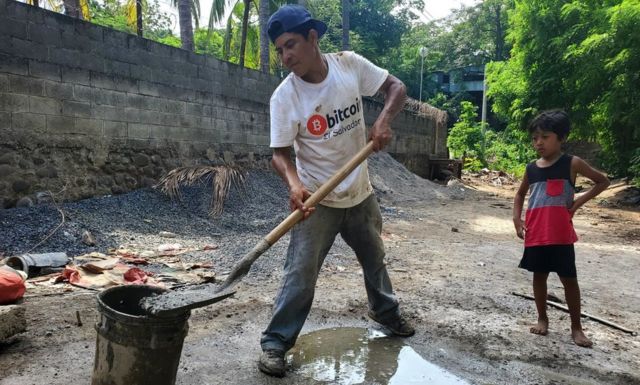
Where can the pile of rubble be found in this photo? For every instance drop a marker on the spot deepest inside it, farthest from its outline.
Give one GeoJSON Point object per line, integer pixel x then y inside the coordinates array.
{"type": "Point", "coordinates": [493, 177]}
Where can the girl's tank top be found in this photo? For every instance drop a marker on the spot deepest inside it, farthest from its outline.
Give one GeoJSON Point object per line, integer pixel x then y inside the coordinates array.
{"type": "Point", "coordinates": [547, 220]}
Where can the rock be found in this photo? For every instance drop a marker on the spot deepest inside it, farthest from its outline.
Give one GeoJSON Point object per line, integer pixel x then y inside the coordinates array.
{"type": "Point", "coordinates": [25, 202]}
{"type": "Point", "coordinates": [167, 234]}
{"type": "Point", "coordinates": [12, 321]}
{"type": "Point", "coordinates": [43, 197]}
{"type": "Point", "coordinates": [455, 230]}
{"type": "Point", "coordinates": [88, 238]}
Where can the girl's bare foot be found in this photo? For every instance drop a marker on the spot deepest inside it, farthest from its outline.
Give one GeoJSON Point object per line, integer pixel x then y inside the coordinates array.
{"type": "Point", "coordinates": [580, 339]}
{"type": "Point", "coordinates": [542, 328]}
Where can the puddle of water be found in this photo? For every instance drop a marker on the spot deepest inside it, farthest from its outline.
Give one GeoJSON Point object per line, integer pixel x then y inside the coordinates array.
{"type": "Point", "coordinates": [350, 356]}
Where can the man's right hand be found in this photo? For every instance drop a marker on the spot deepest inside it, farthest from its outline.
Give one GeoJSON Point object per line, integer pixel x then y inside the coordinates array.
{"type": "Point", "coordinates": [297, 196]}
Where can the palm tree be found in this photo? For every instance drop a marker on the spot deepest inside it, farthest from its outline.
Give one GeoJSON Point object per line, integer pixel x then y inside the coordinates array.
{"type": "Point", "coordinates": [74, 8]}
{"type": "Point", "coordinates": [263, 18]}
{"type": "Point", "coordinates": [187, 10]}
{"type": "Point", "coordinates": [245, 26]}
{"type": "Point", "coordinates": [134, 14]}
{"type": "Point", "coordinates": [346, 8]}
{"type": "Point", "coordinates": [218, 10]}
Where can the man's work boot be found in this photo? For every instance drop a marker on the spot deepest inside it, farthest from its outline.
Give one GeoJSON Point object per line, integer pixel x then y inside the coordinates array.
{"type": "Point", "coordinates": [272, 362]}
{"type": "Point", "coordinates": [398, 326]}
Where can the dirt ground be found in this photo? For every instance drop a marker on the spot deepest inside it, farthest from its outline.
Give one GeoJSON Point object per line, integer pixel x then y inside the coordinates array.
{"type": "Point", "coordinates": [453, 263]}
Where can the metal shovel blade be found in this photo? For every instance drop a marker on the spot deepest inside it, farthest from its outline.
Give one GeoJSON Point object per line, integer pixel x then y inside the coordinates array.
{"type": "Point", "coordinates": [182, 300]}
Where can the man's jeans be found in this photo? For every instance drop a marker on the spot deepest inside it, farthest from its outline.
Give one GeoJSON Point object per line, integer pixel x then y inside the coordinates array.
{"type": "Point", "coordinates": [311, 239]}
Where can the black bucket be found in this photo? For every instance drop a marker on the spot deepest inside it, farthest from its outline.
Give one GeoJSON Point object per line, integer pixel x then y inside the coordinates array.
{"type": "Point", "coordinates": [133, 348]}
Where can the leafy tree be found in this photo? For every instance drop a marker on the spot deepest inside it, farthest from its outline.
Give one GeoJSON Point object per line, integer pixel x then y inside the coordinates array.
{"type": "Point", "coordinates": [580, 55]}
{"type": "Point", "coordinates": [112, 14]}
{"type": "Point", "coordinates": [466, 138]}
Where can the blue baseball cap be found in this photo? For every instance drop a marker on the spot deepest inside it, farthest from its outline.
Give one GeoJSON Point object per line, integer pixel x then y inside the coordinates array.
{"type": "Point", "coordinates": [288, 18]}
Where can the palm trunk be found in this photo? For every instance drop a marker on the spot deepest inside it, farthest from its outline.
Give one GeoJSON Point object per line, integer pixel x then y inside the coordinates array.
{"type": "Point", "coordinates": [346, 8]}
{"type": "Point", "coordinates": [139, 17]}
{"type": "Point", "coordinates": [186, 28]}
{"type": "Point", "coordinates": [245, 27]}
{"type": "Point", "coordinates": [263, 17]}
{"type": "Point", "coordinates": [72, 8]}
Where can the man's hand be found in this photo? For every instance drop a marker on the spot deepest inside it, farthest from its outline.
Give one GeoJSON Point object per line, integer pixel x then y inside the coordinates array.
{"type": "Point", "coordinates": [395, 93]}
{"type": "Point", "coordinates": [297, 196]}
{"type": "Point", "coordinates": [380, 134]}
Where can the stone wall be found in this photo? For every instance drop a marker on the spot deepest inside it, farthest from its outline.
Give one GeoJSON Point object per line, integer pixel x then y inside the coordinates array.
{"type": "Point", "coordinates": [87, 110]}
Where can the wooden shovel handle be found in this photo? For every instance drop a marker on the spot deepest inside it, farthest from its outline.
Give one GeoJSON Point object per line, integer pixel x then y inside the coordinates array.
{"type": "Point", "coordinates": [320, 194]}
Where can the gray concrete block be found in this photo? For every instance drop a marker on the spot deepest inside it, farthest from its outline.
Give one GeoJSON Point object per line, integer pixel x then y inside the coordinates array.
{"type": "Point", "coordinates": [115, 129]}
{"type": "Point", "coordinates": [77, 109]}
{"type": "Point", "coordinates": [108, 113]}
{"type": "Point", "coordinates": [90, 127]}
{"type": "Point", "coordinates": [14, 27]}
{"type": "Point", "coordinates": [5, 121]}
{"type": "Point", "coordinates": [72, 40]}
{"type": "Point", "coordinates": [58, 90]}
{"type": "Point", "coordinates": [12, 321]}
{"type": "Point", "coordinates": [45, 70]}
{"type": "Point", "coordinates": [14, 103]}
{"type": "Point", "coordinates": [107, 97]}
{"type": "Point", "coordinates": [42, 34]}
{"type": "Point", "coordinates": [46, 106]}
{"type": "Point", "coordinates": [72, 58]}
{"type": "Point", "coordinates": [139, 131]}
{"type": "Point", "coordinates": [90, 30]}
{"type": "Point", "coordinates": [27, 121]}
{"type": "Point", "coordinates": [14, 65]}
{"type": "Point", "coordinates": [141, 72]}
{"type": "Point", "coordinates": [82, 93]}
{"type": "Point", "coordinates": [4, 83]}
{"type": "Point", "coordinates": [126, 84]}
{"type": "Point", "coordinates": [175, 107]}
{"type": "Point", "coordinates": [28, 49]}
{"type": "Point", "coordinates": [114, 67]}
{"type": "Point", "coordinates": [26, 85]}
{"type": "Point", "coordinates": [114, 38]}
{"type": "Point", "coordinates": [76, 76]}
{"type": "Point", "coordinates": [60, 124]}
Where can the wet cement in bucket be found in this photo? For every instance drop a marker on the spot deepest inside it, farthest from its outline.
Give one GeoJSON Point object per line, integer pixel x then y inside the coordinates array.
{"type": "Point", "coordinates": [349, 356]}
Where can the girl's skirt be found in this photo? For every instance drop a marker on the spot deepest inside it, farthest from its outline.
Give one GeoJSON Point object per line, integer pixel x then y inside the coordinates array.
{"type": "Point", "coordinates": [550, 258]}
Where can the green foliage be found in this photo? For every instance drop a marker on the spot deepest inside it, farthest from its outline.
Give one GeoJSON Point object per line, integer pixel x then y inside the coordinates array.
{"type": "Point", "coordinates": [509, 151]}
{"type": "Point", "coordinates": [466, 138]}
{"type": "Point", "coordinates": [209, 42]}
{"type": "Point", "coordinates": [113, 14]}
{"type": "Point", "coordinates": [580, 55]}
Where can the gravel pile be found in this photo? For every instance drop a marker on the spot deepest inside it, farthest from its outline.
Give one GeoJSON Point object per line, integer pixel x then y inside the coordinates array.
{"type": "Point", "coordinates": [135, 220]}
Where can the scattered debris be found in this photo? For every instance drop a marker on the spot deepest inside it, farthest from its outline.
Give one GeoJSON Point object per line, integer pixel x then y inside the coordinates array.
{"type": "Point", "coordinates": [38, 264]}
{"type": "Point", "coordinates": [597, 319]}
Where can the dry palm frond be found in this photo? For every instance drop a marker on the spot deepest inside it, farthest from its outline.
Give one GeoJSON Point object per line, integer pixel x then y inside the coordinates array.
{"type": "Point", "coordinates": [428, 111]}
{"type": "Point", "coordinates": [222, 177]}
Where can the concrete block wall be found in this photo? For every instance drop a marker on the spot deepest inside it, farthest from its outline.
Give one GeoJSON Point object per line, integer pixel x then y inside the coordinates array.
{"type": "Point", "coordinates": [97, 111]}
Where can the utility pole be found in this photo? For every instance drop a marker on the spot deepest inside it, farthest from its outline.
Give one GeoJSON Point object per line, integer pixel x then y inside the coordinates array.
{"type": "Point", "coordinates": [422, 52]}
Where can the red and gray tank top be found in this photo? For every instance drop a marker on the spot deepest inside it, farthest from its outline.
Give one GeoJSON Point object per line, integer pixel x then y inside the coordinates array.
{"type": "Point", "coordinates": [551, 193]}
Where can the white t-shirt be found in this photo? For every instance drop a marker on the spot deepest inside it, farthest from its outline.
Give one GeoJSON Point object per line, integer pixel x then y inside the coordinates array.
{"type": "Point", "coordinates": [325, 124]}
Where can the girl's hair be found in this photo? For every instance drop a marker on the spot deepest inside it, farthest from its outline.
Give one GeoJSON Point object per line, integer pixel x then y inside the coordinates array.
{"type": "Point", "coordinates": [556, 121]}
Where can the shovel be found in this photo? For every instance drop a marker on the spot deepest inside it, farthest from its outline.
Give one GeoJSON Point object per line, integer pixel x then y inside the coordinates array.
{"type": "Point", "coordinates": [178, 301]}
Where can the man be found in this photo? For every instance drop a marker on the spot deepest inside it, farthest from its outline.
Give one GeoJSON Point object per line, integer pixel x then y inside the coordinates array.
{"type": "Point", "coordinates": [318, 110]}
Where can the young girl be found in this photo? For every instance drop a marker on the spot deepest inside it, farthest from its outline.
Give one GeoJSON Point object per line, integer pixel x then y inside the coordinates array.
{"type": "Point", "coordinates": [548, 230]}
